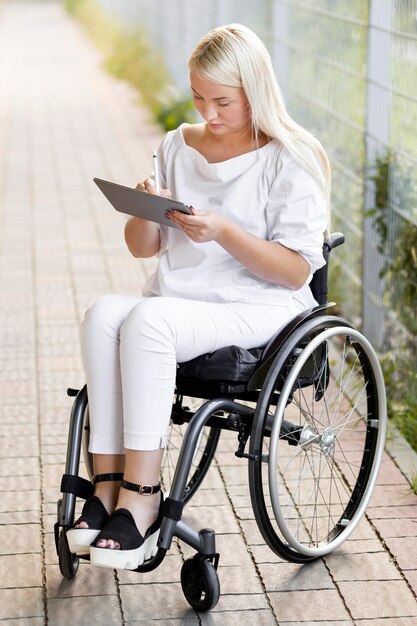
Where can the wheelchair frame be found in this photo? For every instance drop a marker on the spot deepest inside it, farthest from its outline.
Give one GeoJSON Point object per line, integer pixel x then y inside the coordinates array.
{"type": "Point", "coordinates": [296, 362]}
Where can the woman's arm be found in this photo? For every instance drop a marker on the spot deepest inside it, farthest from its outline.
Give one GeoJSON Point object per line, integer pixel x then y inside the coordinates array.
{"type": "Point", "coordinates": [142, 237]}
{"type": "Point", "coordinates": [269, 260]}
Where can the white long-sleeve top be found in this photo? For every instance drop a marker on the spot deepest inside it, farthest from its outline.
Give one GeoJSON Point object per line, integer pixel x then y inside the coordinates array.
{"type": "Point", "coordinates": [266, 192]}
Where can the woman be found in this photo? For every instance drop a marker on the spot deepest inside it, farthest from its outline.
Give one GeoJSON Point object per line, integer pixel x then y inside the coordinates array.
{"type": "Point", "coordinates": [233, 272]}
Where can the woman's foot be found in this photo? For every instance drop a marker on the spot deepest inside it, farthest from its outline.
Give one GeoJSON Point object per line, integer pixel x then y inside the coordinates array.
{"type": "Point", "coordinates": [130, 536]}
{"type": "Point", "coordinates": [144, 511]}
{"type": "Point", "coordinates": [95, 513]}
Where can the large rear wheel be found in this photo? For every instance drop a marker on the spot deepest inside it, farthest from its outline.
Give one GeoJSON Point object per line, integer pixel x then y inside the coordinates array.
{"type": "Point", "coordinates": [318, 439]}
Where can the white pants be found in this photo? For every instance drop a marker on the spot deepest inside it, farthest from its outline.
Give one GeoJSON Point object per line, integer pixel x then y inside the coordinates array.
{"type": "Point", "coordinates": [131, 347]}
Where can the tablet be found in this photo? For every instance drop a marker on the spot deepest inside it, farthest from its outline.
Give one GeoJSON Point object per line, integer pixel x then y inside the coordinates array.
{"type": "Point", "coordinates": [139, 203]}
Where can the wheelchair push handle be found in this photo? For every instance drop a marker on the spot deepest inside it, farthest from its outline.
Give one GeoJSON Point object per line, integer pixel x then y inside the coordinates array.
{"type": "Point", "coordinates": [334, 240]}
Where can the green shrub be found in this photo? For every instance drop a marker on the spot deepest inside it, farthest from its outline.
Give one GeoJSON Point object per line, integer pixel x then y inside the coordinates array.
{"type": "Point", "coordinates": [129, 56]}
{"type": "Point", "coordinates": [171, 115]}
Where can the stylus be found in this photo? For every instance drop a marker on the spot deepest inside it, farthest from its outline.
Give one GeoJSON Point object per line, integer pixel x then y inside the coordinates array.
{"type": "Point", "coordinates": [156, 173]}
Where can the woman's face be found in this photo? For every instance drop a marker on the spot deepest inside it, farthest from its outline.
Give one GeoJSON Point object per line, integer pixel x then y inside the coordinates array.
{"type": "Point", "coordinates": [225, 109]}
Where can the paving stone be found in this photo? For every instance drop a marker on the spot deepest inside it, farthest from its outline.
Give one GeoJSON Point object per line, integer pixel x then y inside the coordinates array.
{"type": "Point", "coordinates": [239, 618]}
{"type": "Point", "coordinates": [239, 580]}
{"type": "Point", "coordinates": [392, 512]}
{"type": "Point", "coordinates": [19, 483]}
{"type": "Point", "coordinates": [169, 571]}
{"type": "Point", "coordinates": [313, 623]}
{"type": "Point", "coordinates": [391, 527]}
{"type": "Point", "coordinates": [399, 621]}
{"type": "Point", "coordinates": [244, 513]}
{"type": "Point", "coordinates": [405, 551]}
{"type": "Point", "coordinates": [20, 501]}
{"type": "Point", "coordinates": [89, 581]}
{"type": "Point", "coordinates": [21, 604]}
{"type": "Point", "coordinates": [210, 497]}
{"type": "Point", "coordinates": [26, 621]}
{"type": "Point", "coordinates": [154, 601]}
{"type": "Point", "coordinates": [324, 605]}
{"type": "Point", "coordinates": [14, 431]}
{"type": "Point", "coordinates": [364, 567]}
{"type": "Point", "coordinates": [292, 577]}
{"type": "Point", "coordinates": [19, 517]}
{"type": "Point", "coordinates": [18, 413]}
{"type": "Point", "coordinates": [263, 554]}
{"type": "Point", "coordinates": [241, 602]}
{"type": "Point", "coordinates": [411, 577]}
{"type": "Point", "coordinates": [251, 531]}
{"type": "Point", "coordinates": [221, 518]}
{"type": "Point", "coordinates": [389, 474]}
{"type": "Point", "coordinates": [390, 599]}
{"type": "Point", "coordinates": [17, 540]}
{"type": "Point", "coordinates": [19, 446]}
{"type": "Point", "coordinates": [360, 546]}
{"type": "Point", "coordinates": [394, 495]}
{"type": "Point", "coordinates": [20, 570]}
{"type": "Point", "coordinates": [85, 610]}
{"type": "Point", "coordinates": [233, 550]}
{"type": "Point", "coordinates": [29, 466]}
{"type": "Point", "coordinates": [235, 476]}
{"type": "Point", "coordinates": [182, 621]}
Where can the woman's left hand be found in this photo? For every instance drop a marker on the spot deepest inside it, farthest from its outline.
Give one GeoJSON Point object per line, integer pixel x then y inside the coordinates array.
{"type": "Point", "coordinates": [201, 226]}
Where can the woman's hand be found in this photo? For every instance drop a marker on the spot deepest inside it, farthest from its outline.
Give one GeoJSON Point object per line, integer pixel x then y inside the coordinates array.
{"type": "Point", "coordinates": [201, 226]}
{"type": "Point", "coordinates": [142, 236]}
{"type": "Point", "coordinates": [148, 186]}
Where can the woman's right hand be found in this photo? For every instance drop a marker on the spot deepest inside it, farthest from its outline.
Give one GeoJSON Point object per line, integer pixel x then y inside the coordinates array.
{"type": "Point", "coordinates": [148, 186]}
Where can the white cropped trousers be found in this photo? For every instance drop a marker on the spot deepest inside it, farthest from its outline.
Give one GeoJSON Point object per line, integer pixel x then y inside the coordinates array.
{"type": "Point", "coordinates": [131, 347]}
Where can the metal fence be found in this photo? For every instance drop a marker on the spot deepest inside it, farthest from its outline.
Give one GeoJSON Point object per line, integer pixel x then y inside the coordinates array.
{"type": "Point", "coordinates": [348, 70]}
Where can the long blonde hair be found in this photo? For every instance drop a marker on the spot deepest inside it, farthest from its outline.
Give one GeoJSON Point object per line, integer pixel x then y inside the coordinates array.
{"type": "Point", "coordinates": [233, 55]}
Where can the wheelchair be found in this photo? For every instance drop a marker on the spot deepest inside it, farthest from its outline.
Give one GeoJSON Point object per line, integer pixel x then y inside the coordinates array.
{"type": "Point", "coordinates": [309, 413]}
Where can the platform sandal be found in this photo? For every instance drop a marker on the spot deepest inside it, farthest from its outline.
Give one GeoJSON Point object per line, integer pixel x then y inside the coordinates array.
{"type": "Point", "coordinates": [94, 513]}
{"type": "Point", "coordinates": [135, 549]}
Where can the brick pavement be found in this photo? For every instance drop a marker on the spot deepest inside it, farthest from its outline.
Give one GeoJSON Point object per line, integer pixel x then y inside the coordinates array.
{"type": "Point", "coordinates": [63, 121]}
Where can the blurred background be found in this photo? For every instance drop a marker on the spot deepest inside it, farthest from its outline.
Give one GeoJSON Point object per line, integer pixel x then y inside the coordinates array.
{"type": "Point", "coordinates": [348, 72]}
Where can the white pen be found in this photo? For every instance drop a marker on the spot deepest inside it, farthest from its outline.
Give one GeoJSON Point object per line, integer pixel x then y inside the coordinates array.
{"type": "Point", "coordinates": [156, 173]}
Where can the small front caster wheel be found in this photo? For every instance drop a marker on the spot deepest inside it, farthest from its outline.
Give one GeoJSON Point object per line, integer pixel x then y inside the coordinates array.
{"type": "Point", "coordinates": [68, 562]}
{"type": "Point", "coordinates": [200, 583]}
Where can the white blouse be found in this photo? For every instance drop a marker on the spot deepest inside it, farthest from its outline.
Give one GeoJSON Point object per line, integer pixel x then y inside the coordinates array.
{"type": "Point", "coordinates": [266, 192]}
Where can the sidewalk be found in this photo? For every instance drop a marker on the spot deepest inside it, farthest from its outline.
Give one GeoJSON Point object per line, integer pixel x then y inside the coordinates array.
{"type": "Point", "coordinates": [63, 121]}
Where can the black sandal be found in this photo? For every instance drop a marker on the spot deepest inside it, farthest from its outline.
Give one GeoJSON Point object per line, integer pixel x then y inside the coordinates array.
{"type": "Point", "coordinates": [121, 527]}
{"type": "Point", "coordinates": [94, 513]}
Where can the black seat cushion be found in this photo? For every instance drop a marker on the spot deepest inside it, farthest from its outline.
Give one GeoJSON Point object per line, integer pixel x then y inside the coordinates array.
{"type": "Point", "coordinates": [229, 364]}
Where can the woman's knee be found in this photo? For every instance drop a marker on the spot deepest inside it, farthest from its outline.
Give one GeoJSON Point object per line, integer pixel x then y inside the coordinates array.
{"type": "Point", "coordinates": [107, 314]}
{"type": "Point", "coordinates": [149, 319]}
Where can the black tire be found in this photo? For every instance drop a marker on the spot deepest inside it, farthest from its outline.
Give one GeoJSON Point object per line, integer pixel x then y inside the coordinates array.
{"type": "Point", "coordinates": [317, 437]}
{"type": "Point", "coordinates": [200, 583]}
{"type": "Point", "coordinates": [68, 562]}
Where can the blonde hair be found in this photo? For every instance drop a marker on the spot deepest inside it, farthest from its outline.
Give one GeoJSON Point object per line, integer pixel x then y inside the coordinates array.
{"type": "Point", "coordinates": [233, 55]}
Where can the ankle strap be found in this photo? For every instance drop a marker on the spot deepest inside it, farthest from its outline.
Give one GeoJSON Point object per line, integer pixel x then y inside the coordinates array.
{"type": "Point", "coordinates": [143, 490]}
{"type": "Point", "coordinates": [101, 478]}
